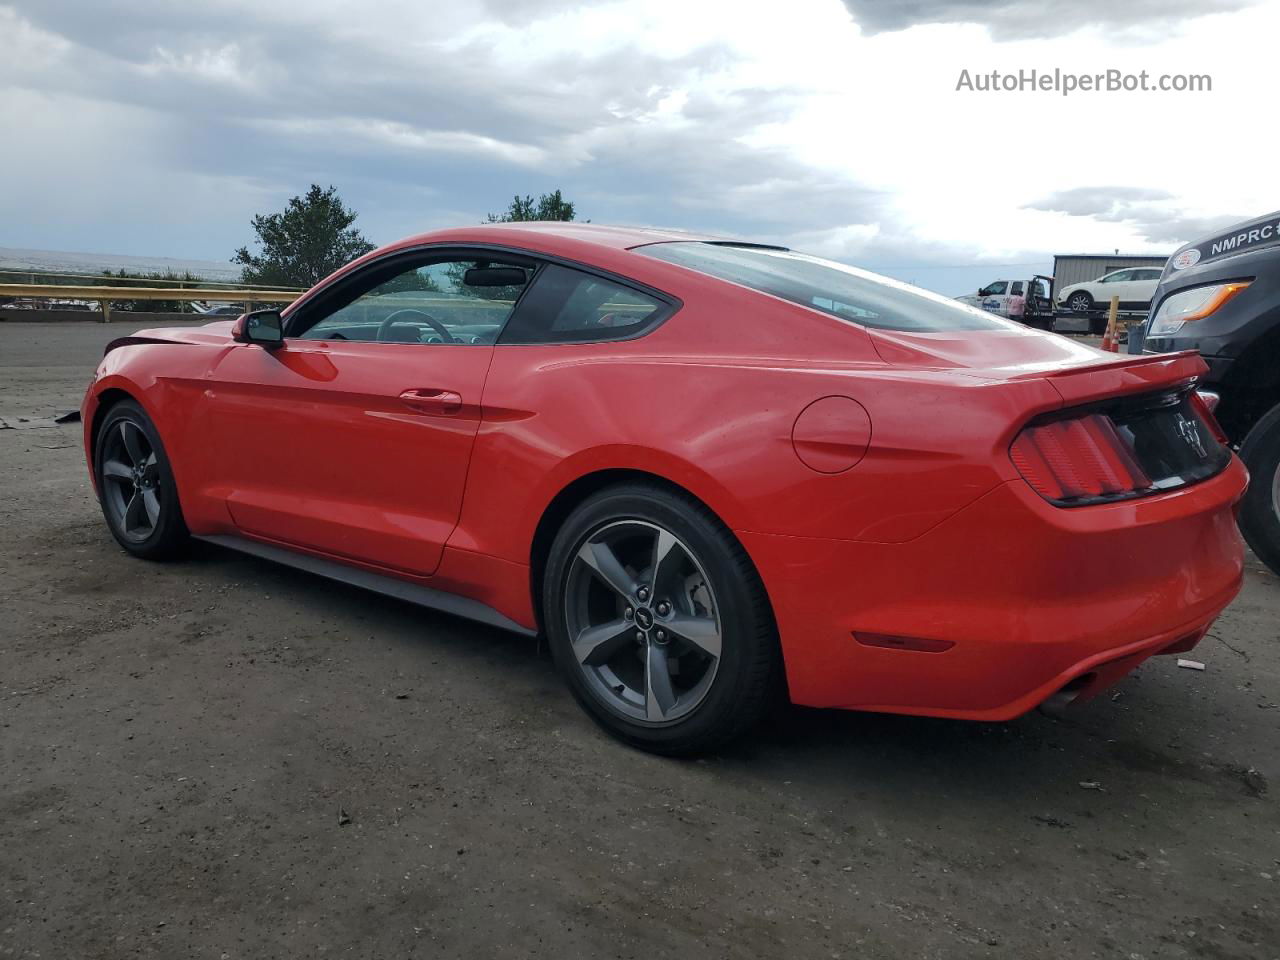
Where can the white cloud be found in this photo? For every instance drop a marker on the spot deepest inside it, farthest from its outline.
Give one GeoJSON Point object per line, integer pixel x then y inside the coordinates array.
{"type": "Point", "coordinates": [829, 124]}
{"type": "Point", "coordinates": [1006, 19]}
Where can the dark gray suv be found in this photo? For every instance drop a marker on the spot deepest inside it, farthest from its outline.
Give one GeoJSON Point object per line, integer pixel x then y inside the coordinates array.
{"type": "Point", "coordinates": [1221, 296]}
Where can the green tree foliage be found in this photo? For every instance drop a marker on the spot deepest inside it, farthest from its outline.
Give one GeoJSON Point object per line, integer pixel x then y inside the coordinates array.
{"type": "Point", "coordinates": [549, 206]}
{"type": "Point", "coordinates": [122, 278]}
{"type": "Point", "coordinates": [457, 272]}
{"type": "Point", "coordinates": [411, 281]}
{"type": "Point", "coordinates": [305, 243]}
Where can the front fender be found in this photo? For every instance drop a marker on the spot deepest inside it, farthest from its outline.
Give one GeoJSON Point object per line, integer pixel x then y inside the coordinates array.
{"type": "Point", "coordinates": [92, 406]}
{"type": "Point", "coordinates": [168, 380]}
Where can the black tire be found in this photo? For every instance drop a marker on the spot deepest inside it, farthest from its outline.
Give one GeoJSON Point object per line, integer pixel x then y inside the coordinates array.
{"type": "Point", "coordinates": [748, 668]}
{"type": "Point", "coordinates": [1080, 302]}
{"type": "Point", "coordinates": [160, 533]}
{"type": "Point", "coordinates": [1260, 511]}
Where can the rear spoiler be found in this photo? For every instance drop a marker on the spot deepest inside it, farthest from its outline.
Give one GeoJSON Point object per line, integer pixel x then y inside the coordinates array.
{"type": "Point", "coordinates": [1140, 374]}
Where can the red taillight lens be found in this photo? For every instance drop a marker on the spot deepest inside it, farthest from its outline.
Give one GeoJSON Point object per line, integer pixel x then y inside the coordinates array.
{"type": "Point", "coordinates": [1078, 458]}
{"type": "Point", "coordinates": [1129, 446]}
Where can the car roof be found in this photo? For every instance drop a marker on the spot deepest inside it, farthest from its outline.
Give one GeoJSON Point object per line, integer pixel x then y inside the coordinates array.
{"type": "Point", "coordinates": [540, 233]}
{"type": "Point", "coordinates": [599, 245]}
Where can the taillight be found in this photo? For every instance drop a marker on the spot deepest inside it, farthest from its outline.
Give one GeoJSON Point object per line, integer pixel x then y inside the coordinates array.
{"type": "Point", "coordinates": [1082, 457]}
{"type": "Point", "coordinates": [1127, 447]}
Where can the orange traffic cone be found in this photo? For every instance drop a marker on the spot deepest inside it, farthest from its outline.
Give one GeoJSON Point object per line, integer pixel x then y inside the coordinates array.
{"type": "Point", "coordinates": [1109, 337]}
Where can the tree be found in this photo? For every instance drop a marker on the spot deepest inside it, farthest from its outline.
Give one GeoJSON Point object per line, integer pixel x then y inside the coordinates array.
{"type": "Point", "coordinates": [305, 243]}
{"type": "Point", "coordinates": [123, 278]}
{"type": "Point", "coordinates": [549, 206]}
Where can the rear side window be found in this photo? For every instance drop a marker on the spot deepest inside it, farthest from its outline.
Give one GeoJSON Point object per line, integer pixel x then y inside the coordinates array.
{"type": "Point", "coordinates": [569, 306]}
{"type": "Point", "coordinates": [853, 295]}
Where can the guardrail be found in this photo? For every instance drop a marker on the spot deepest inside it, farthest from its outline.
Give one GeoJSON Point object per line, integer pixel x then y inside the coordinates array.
{"type": "Point", "coordinates": [42, 276]}
{"type": "Point", "coordinates": [104, 294]}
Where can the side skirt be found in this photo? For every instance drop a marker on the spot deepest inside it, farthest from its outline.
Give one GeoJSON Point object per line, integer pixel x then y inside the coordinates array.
{"type": "Point", "coordinates": [451, 603]}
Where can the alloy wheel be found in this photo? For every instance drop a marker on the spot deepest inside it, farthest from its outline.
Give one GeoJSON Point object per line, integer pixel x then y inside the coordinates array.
{"type": "Point", "coordinates": [131, 481]}
{"type": "Point", "coordinates": [642, 621]}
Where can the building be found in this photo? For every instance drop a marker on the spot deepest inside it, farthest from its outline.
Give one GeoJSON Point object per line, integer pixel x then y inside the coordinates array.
{"type": "Point", "coordinates": [1082, 267]}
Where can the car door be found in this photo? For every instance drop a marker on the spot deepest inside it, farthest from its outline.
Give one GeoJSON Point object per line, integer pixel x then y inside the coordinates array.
{"type": "Point", "coordinates": [995, 297]}
{"type": "Point", "coordinates": [1113, 285]}
{"type": "Point", "coordinates": [353, 438]}
{"type": "Point", "coordinates": [1127, 287]}
{"type": "Point", "coordinates": [1143, 285]}
{"type": "Point", "coordinates": [1016, 289]}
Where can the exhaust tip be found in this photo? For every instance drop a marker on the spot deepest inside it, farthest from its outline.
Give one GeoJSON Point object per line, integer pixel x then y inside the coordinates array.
{"type": "Point", "coordinates": [1056, 705]}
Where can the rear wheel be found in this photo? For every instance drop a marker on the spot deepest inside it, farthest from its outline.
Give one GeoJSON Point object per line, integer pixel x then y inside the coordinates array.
{"type": "Point", "coordinates": [1080, 302]}
{"type": "Point", "coordinates": [1260, 511]}
{"type": "Point", "coordinates": [135, 484]}
{"type": "Point", "coordinates": [658, 621]}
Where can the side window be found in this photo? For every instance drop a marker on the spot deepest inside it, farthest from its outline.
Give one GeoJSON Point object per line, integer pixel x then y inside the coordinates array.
{"type": "Point", "coordinates": [1116, 277]}
{"type": "Point", "coordinates": [567, 306]}
{"type": "Point", "coordinates": [445, 302]}
{"type": "Point", "coordinates": [1017, 288]}
{"type": "Point", "coordinates": [997, 289]}
{"type": "Point", "coordinates": [1146, 275]}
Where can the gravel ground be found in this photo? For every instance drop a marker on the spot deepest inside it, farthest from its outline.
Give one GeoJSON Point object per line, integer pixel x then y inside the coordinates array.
{"type": "Point", "coordinates": [222, 758]}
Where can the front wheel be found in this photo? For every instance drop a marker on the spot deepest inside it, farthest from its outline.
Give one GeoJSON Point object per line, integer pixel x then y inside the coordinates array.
{"type": "Point", "coordinates": [1260, 510]}
{"type": "Point", "coordinates": [135, 484]}
{"type": "Point", "coordinates": [658, 621]}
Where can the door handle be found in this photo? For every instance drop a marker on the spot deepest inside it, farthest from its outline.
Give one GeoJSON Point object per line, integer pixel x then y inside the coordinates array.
{"type": "Point", "coordinates": [422, 400]}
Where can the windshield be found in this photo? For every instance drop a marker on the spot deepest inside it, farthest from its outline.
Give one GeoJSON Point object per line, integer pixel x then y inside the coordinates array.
{"type": "Point", "coordinates": [846, 292]}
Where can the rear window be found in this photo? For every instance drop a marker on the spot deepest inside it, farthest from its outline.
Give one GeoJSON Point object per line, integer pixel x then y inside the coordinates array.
{"type": "Point", "coordinates": [846, 292]}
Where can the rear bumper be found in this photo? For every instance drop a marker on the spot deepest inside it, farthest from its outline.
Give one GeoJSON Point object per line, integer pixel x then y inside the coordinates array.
{"type": "Point", "coordinates": [1030, 597]}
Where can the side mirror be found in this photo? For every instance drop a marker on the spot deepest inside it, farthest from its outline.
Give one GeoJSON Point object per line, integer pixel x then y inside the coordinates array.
{"type": "Point", "coordinates": [263, 327]}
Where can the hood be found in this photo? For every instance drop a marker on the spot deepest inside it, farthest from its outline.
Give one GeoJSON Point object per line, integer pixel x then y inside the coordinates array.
{"type": "Point", "coordinates": [219, 331]}
{"type": "Point", "coordinates": [1245, 237]}
{"type": "Point", "coordinates": [211, 334]}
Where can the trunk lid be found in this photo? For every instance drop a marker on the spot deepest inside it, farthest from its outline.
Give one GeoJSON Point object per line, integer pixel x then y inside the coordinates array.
{"type": "Point", "coordinates": [1125, 426]}
{"type": "Point", "coordinates": [1078, 372]}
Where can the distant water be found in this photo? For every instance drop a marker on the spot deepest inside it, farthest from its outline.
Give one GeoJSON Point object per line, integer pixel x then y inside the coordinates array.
{"type": "Point", "coordinates": [92, 263]}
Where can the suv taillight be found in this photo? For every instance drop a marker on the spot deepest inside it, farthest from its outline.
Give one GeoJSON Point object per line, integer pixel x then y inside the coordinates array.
{"type": "Point", "coordinates": [1129, 447]}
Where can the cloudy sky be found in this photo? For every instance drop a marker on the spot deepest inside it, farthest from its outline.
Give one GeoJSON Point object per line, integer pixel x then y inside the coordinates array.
{"type": "Point", "coordinates": [150, 127]}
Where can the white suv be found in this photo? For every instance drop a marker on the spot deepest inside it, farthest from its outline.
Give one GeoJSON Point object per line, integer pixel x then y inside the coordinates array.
{"type": "Point", "coordinates": [1133, 285]}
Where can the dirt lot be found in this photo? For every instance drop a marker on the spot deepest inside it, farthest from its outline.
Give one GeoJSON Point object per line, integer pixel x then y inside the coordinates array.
{"type": "Point", "coordinates": [181, 745]}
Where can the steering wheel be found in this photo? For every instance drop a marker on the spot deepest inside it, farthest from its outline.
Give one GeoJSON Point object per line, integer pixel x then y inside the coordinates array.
{"type": "Point", "coordinates": [385, 326]}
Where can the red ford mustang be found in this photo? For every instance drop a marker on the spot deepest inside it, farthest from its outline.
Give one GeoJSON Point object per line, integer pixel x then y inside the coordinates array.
{"type": "Point", "coordinates": [701, 468]}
